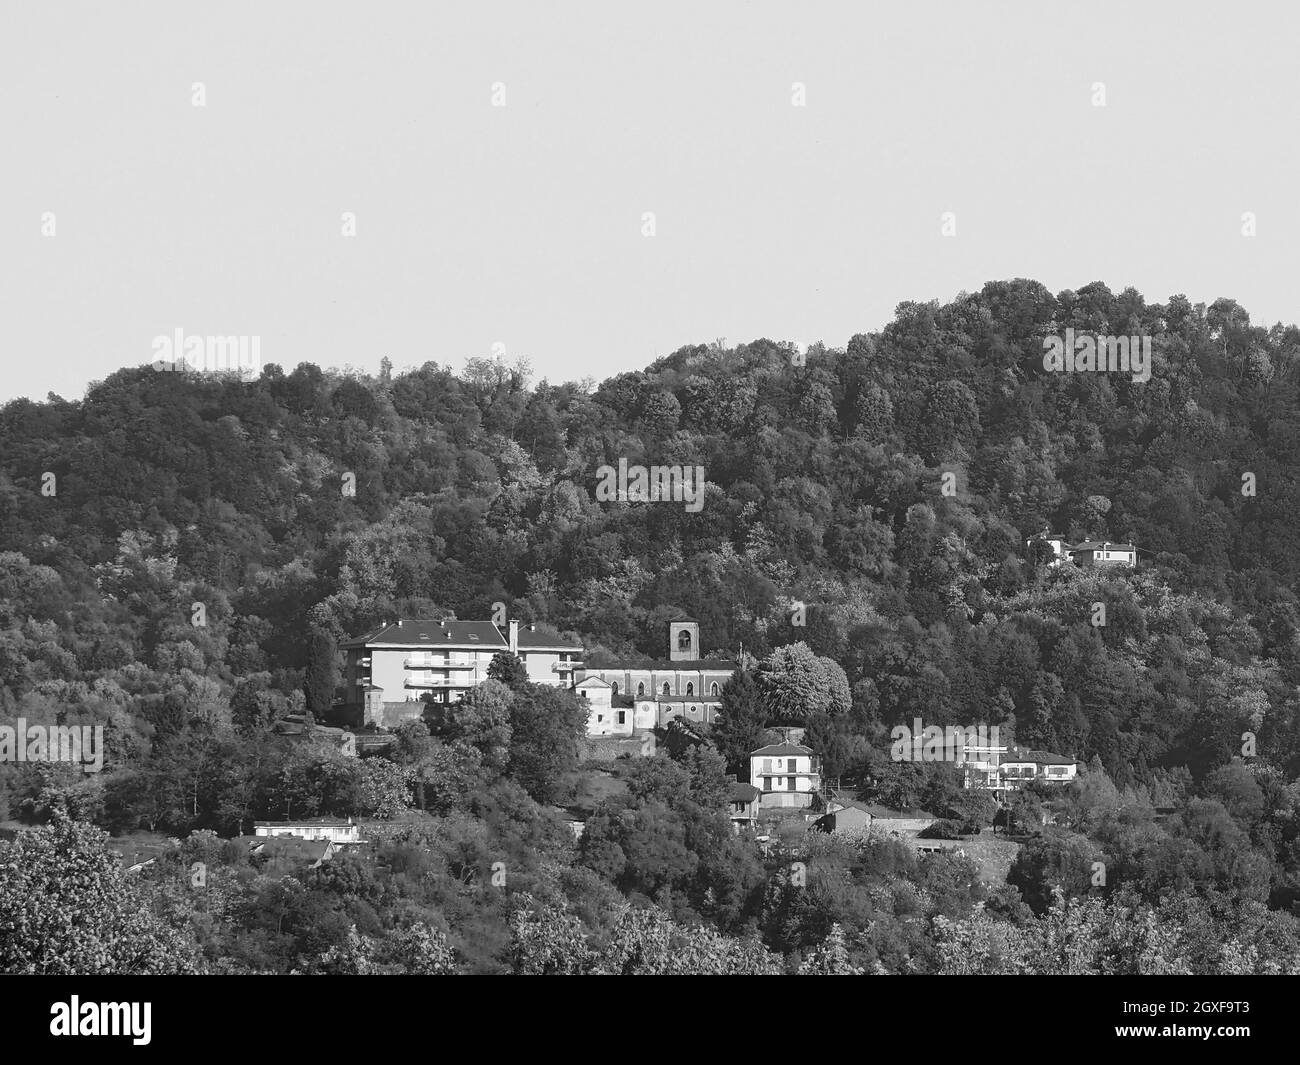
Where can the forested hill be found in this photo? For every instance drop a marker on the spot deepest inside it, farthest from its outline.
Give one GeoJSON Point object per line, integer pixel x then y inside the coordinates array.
{"type": "Point", "coordinates": [825, 487]}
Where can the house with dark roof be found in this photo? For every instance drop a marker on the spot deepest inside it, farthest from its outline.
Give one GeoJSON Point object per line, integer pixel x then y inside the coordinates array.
{"type": "Point", "coordinates": [1019, 765]}
{"type": "Point", "coordinates": [285, 853]}
{"type": "Point", "coordinates": [849, 815]}
{"type": "Point", "coordinates": [1104, 553]}
{"type": "Point", "coordinates": [391, 668]}
{"type": "Point", "coordinates": [744, 804]}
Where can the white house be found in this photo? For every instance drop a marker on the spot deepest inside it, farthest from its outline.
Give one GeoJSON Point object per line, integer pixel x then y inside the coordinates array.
{"type": "Point", "coordinates": [392, 667]}
{"type": "Point", "coordinates": [1003, 769]}
{"type": "Point", "coordinates": [786, 774]}
{"type": "Point", "coordinates": [315, 828]}
{"type": "Point", "coordinates": [1060, 547]}
{"type": "Point", "coordinates": [1104, 553]}
{"type": "Point", "coordinates": [604, 718]}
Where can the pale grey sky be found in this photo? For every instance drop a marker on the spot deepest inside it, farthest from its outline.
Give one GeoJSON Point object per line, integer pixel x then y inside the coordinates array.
{"type": "Point", "coordinates": [522, 224]}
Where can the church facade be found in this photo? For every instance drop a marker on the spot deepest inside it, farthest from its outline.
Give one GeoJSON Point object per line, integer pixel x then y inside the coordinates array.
{"type": "Point", "coordinates": [633, 698]}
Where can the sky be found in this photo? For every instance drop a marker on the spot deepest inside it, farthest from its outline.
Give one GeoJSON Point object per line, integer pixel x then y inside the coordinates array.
{"type": "Point", "coordinates": [798, 161]}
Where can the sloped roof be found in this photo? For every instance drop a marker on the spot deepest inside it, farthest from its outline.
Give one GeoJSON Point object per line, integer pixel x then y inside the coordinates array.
{"type": "Point", "coordinates": [884, 813]}
{"type": "Point", "coordinates": [312, 850]}
{"type": "Point", "coordinates": [744, 792]}
{"type": "Point", "coordinates": [1020, 754]}
{"type": "Point", "coordinates": [782, 748]}
{"type": "Point", "coordinates": [464, 635]}
{"type": "Point", "coordinates": [459, 634]}
{"type": "Point", "coordinates": [1102, 545]}
{"type": "Point", "coordinates": [539, 640]}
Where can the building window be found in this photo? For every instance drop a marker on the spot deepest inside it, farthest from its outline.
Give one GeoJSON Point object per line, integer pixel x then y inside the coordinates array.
{"type": "Point", "coordinates": [789, 764]}
{"type": "Point", "coordinates": [614, 686]}
{"type": "Point", "coordinates": [684, 640]}
{"type": "Point", "coordinates": [667, 689]}
{"type": "Point", "coordinates": [640, 690]}
{"type": "Point", "coordinates": [622, 717]}
{"type": "Point", "coordinates": [690, 688]}
{"type": "Point", "coordinates": [713, 689]}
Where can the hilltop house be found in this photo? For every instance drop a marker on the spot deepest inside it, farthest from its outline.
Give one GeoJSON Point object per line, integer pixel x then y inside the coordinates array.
{"type": "Point", "coordinates": [1003, 769]}
{"type": "Point", "coordinates": [603, 717]}
{"type": "Point", "coordinates": [285, 852]}
{"type": "Point", "coordinates": [684, 685]}
{"type": "Point", "coordinates": [315, 828]}
{"type": "Point", "coordinates": [1087, 553]}
{"type": "Point", "coordinates": [1060, 547]}
{"type": "Point", "coordinates": [786, 774]}
{"type": "Point", "coordinates": [392, 667]}
{"type": "Point", "coordinates": [1104, 553]}
{"type": "Point", "coordinates": [853, 815]}
{"type": "Point", "coordinates": [744, 804]}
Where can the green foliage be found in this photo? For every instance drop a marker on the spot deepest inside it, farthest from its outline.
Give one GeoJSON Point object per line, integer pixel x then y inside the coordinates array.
{"type": "Point", "coordinates": [508, 669]}
{"type": "Point", "coordinates": [66, 908]}
{"type": "Point", "coordinates": [738, 729]}
{"type": "Point", "coordinates": [796, 684]}
{"type": "Point", "coordinates": [545, 724]}
{"type": "Point", "coordinates": [824, 488]}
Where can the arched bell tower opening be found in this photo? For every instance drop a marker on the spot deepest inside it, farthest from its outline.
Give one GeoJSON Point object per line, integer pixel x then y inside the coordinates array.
{"type": "Point", "coordinates": [683, 640]}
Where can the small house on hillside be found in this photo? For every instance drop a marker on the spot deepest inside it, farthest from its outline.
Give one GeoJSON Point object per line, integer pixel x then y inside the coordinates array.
{"type": "Point", "coordinates": [786, 774]}
{"type": "Point", "coordinates": [604, 717]}
{"type": "Point", "coordinates": [1104, 553]}
{"type": "Point", "coordinates": [744, 804]}
{"type": "Point", "coordinates": [316, 828]}
{"type": "Point", "coordinates": [1058, 543]}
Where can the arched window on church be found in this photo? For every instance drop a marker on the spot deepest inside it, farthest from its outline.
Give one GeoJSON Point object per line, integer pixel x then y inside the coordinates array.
{"type": "Point", "coordinates": [614, 686]}
{"type": "Point", "coordinates": [684, 640]}
{"type": "Point", "coordinates": [713, 688]}
{"type": "Point", "coordinates": [667, 690]}
{"type": "Point", "coordinates": [640, 690]}
{"type": "Point", "coordinates": [690, 689]}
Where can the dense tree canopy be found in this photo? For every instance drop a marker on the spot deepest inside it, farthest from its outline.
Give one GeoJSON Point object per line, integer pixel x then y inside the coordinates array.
{"type": "Point", "coordinates": [182, 553]}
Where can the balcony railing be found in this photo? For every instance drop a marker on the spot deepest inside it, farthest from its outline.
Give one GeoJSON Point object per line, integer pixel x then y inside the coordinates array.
{"type": "Point", "coordinates": [436, 663]}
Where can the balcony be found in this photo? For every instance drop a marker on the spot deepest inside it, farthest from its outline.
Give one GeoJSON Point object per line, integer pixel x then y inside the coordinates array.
{"type": "Point", "coordinates": [436, 682]}
{"type": "Point", "coordinates": [565, 667]}
{"type": "Point", "coordinates": [421, 662]}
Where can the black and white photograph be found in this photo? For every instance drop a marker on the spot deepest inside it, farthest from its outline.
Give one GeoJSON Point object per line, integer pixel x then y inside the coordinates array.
{"type": "Point", "coordinates": [724, 488]}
